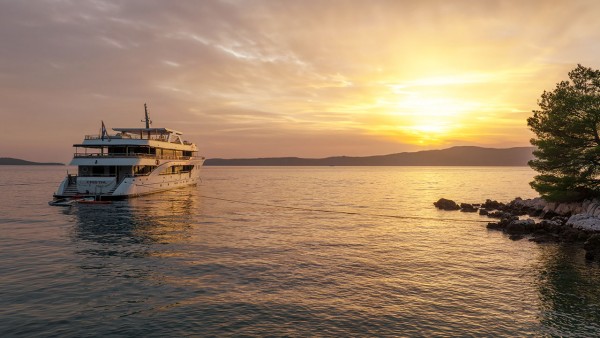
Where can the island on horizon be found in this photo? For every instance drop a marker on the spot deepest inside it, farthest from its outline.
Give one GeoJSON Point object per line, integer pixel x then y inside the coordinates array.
{"type": "Point", "coordinates": [16, 161]}
{"type": "Point", "coordinates": [454, 156]}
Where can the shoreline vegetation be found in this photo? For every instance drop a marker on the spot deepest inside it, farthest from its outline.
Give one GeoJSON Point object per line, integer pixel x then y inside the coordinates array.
{"type": "Point", "coordinates": [566, 157]}
{"type": "Point", "coordinates": [16, 161]}
{"type": "Point", "coordinates": [547, 222]}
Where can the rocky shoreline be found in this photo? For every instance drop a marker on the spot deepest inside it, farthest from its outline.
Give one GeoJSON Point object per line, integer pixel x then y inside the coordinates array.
{"type": "Point", "coordinates": [541, 221]}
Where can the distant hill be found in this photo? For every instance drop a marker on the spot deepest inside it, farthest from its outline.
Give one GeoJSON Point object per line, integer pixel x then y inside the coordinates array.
{"type": "Point", "coordinates": [455, 156]}
{"type": "Point", "coordinates": [16, 161]}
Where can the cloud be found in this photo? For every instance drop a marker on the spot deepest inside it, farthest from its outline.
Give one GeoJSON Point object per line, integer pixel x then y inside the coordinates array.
{"type": "Point", "coordinates": [282, 77]}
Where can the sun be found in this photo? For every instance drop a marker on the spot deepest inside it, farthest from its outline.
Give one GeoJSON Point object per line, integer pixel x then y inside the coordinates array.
{"type": "Point", "coordinates": [432, 110]}
{"type": "Point", "coordinates": [429, 119]}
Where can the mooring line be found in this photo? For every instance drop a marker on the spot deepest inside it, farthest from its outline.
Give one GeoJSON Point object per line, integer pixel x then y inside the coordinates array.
{"type": "Point", "coordinates": [354, 213]}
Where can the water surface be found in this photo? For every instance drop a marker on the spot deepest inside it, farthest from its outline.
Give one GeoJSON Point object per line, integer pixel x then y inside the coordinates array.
{"type": "Point", "coordinates": [326, 251]}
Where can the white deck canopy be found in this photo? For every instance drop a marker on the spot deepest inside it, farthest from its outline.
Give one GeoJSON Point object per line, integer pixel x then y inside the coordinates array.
{"type": "Point", "coordinates": [158, 134]}
{"type": "Point", "coordinates": [148, 130]}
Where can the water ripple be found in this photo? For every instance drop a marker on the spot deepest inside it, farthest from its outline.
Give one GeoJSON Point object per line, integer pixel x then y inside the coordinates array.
{"type": "Point", "coordinates": [181, 264]}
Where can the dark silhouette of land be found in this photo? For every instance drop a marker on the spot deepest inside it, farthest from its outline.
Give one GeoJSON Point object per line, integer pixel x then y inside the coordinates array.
{"type": "Point", "coordinates": [455, 156]}
{"type": "Point", "coordinates": [16, 161]}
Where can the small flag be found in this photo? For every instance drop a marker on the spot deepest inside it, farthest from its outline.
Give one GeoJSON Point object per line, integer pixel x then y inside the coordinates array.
{"type": "Point", "coordinates": [104, 133]}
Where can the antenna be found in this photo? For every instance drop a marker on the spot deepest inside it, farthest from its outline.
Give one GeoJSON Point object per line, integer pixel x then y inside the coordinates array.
{"type": "Point", "coordinates": [147, 120]}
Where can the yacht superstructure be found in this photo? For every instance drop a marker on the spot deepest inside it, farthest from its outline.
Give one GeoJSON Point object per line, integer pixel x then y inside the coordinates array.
{"type": "Point", "coordinates": [132, 162]}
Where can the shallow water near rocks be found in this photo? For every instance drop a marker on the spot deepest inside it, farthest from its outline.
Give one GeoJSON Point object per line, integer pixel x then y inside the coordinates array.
{"type": "Point", "coordinates": [294, 251]}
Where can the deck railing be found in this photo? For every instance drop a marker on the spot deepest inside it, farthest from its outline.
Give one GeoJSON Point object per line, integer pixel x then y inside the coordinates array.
{"type": "Point", "coordinates": [160, 138]}
{"type": "Point", "coordinates": [163, 138]}
{"type": "Point", "coordinates": [132, 155]}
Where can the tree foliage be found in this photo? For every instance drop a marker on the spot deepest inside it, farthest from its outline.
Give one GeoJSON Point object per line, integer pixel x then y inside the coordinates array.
{"type": "Point", "coordinates": [568, 142]}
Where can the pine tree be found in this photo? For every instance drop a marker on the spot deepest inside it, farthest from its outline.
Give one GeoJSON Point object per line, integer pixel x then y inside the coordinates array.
{"type": "Point", "coordinates": [568, 140]}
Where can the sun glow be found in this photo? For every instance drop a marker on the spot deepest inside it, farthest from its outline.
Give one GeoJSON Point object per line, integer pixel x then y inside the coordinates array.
{"type": "Point", "coordinates": [429, 119]}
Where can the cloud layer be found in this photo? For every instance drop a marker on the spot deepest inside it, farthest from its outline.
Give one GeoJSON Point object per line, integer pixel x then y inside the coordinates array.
{"type": "Point", "coordinates": [285, 78]}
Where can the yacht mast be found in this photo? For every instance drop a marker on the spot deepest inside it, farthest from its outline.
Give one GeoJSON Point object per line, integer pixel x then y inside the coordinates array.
{"type": "Point", "coordinates": [147, 120]}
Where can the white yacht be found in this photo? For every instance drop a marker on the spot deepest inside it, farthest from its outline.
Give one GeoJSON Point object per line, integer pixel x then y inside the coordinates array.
{"type": "Point", "coordinates": [132, 162]}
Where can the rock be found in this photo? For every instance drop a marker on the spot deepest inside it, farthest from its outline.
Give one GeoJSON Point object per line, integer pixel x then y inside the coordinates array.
{"type": "Point", "coordinates": [507, 220]}
{"type": "Point", "coordinates": [537, 203]}
{"type": "Point", "coordinates": [532, 207]}
{"type": "Point", "coordinates": [535, 212]}
{"type": "Point", "coordinates": [515, 228]}
{"type": "Point", "coordinates": [492, 205]}
{"type": "Point", "coordinates": [548, 214]}
{"type": "Point", "coordinates": [515, 237]}
{"type": "Point", "coordinates": [550, 226]}
{"type": "Point", "coordinates": [570, 235]}
{"type": "Point", "coordinates": [585, 222]}
{"type": "Point", "coordinates": [465, 207]}
{"type": "Point", "coordinates": [552, 209]}
{"type": "Point", "coordinates": [500, 214]}
{"type": "Point", "coordinates": [519, 212]}
{"type": "Point", "coordinates": [591, 207]}
{"type": "Point", "coordinates": [550, 206]}
{"type": "Point", "coordinates": [568, 209]}
{"type": "Point", "coordinates": [495, 226]}
{"type": "Point", "coordinates": [446, 204]}
{"type": "Point", "coordinates": [548, 223]}
{"type": "Point", "coordinates": [560, 220]}
{"type": "Point", "coordinates": [520, 226]}
{"type": "Point", "coordinates": [585, 204]}
{"type": "Point", "coordinates": [513, 218]}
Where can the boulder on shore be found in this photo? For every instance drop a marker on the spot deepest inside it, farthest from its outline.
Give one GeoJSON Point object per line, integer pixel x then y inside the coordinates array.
{"type": "Point", "coordinates": [446, 204]}
{"type": "Point", "coordinates": [499, 214]}
{"type": "Point", "coordinates": [492, 205]}
{"type": "Point", "coordinates": [584, 221]}
{"type": "Point", "coordinates": [495, 226]}
{"type": "Point", "coordinates": [465, 207]}
{"type": "Point", "coordinates": [520, 226]}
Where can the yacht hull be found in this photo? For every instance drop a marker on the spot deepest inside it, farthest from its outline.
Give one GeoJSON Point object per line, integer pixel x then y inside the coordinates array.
{"type": "Point", "coordinates": [108, 189]}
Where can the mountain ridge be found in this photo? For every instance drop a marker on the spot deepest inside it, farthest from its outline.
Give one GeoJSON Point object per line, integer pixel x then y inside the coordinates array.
{"type": "Point", "coordinates": [454, 156]}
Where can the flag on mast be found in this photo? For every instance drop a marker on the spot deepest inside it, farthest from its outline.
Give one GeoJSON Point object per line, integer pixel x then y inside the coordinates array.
{"type": "Point", "coordinates": [104, 133]}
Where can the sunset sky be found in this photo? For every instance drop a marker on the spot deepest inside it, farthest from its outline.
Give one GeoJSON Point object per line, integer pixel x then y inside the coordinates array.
{"type": "Point", "coordinates": [285, 78]}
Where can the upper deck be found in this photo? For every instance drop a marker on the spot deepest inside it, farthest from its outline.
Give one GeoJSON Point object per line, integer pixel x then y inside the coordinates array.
{"type": "Point", "coordinates": [154, 137]}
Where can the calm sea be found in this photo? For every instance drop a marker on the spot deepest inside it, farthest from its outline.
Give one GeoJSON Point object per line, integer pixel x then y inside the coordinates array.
{"type": "Point", "coordinates": [295, 251]}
